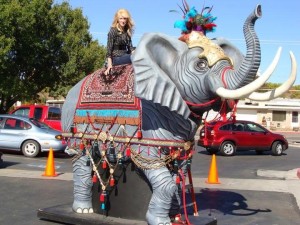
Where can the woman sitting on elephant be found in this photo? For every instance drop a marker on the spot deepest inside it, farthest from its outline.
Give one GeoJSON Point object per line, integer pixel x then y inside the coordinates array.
{"type": "Point", "coordinates": [119, 43]}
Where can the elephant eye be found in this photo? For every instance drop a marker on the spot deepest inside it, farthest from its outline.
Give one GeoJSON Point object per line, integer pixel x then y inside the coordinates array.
{"type": "Point", "coordinates": [201, 65]}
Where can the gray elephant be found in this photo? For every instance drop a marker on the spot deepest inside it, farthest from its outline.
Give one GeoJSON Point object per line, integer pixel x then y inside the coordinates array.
{"type": "Point", "coordinates": [176, 82]}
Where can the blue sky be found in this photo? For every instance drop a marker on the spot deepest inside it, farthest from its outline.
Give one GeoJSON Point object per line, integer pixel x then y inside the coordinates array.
{"type": "Point", "coordinates": [278, 27]}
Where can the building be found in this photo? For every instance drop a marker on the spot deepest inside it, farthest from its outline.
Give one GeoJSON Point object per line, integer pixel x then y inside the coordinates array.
{"type": "Point", "coordinates": [277, 114]}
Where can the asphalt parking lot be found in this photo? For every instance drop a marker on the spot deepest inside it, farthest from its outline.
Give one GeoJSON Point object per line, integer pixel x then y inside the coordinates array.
{"type": "Point", "coordinates": [267, 198]}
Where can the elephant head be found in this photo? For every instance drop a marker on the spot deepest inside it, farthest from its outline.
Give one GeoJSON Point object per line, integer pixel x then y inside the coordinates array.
{"type": "Point", "coordinates": [193, 74]}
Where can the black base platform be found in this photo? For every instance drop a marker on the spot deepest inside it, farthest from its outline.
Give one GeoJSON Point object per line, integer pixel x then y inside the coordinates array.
{"type": "Point", "coordinates": [65, 214]}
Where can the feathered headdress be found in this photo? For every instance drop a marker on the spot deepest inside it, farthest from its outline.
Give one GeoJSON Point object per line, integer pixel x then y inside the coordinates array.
{"type": "Point", "coordinates": [192, 20]}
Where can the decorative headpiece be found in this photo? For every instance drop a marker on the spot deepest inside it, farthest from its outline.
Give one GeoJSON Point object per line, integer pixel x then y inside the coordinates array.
{"type": "Point", "coordinates": [194, 21]}
{"type": "Point", "coordinates": [211, 51]}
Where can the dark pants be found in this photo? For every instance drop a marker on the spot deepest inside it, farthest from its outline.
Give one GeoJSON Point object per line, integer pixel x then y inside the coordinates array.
{"type": "Point", "coordinates": [124, 59]}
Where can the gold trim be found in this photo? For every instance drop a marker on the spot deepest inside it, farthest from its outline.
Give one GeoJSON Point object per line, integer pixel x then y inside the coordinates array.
{"type": "Point", "coordinates": [211, 51]}
{"type": "Point", "coordinates": [186, 145]}
{"type": "Point", "coordinates": [102, 136]}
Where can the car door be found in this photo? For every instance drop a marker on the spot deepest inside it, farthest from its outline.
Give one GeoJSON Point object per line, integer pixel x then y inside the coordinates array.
{"type": "Point", "coordinates": [240, 137]}
{"type": "Point", "coordinates": [259, 138]}
{"type": "Point", "coordinates": [11, 134]}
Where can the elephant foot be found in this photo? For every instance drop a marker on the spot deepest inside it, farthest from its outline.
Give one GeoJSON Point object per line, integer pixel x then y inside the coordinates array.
{"type": "Point", "coordinates": [156, 220]}
{"type": "Point", "coordinates": [82, 207]}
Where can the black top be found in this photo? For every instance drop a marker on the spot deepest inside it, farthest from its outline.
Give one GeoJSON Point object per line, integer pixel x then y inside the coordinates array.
{"type": "Point", "coordinates": [118, 43]}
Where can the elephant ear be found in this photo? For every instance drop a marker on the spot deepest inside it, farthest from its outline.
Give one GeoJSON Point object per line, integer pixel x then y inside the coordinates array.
{"type": "Point", "coordinates": [231, 51]}
{"type": "Point", "coordinates": [154, 62]}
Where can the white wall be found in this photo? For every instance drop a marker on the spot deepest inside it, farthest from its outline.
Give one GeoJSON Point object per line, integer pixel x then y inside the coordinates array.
{"type": "Point", "coordinates": [244, 114]}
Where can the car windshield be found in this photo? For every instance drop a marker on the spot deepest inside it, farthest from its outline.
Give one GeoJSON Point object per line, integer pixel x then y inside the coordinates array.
{"type": "Point", "coordinates": [39, 124]}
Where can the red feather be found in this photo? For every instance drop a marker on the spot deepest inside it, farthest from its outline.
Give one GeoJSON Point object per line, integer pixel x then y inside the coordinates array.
{"type": "Point", "coordinates": [209, 26]}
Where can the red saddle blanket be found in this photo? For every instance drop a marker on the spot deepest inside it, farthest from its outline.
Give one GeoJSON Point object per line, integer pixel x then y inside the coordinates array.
{"type": "Point", "coordinates": [115, 90]}
{"type": "Point", "coordinates": [109, 98]}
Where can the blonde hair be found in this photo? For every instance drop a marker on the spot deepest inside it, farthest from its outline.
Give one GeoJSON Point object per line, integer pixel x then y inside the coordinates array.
{"type": "Point", "coordinates": [129, 25]}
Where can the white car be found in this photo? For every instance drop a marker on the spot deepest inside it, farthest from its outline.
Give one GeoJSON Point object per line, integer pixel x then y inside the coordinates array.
{"type": "Point", "coordinates": [28, 135]}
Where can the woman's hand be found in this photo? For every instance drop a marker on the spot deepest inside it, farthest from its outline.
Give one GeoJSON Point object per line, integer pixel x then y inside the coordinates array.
{"type": "Point", "coordinates": [109, 66]}
{"type": "Point", "coordinates": [107, 71]}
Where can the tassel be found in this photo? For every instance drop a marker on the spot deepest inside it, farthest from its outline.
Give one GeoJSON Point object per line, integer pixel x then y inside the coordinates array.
{"type": "Point", "coordinates": [95, 178]}
{"type": "Point", "coordinates": [112, 182]}
{"type": "Point", "coordinates": [175, 166]}
{"type": "Point", "coordinates": [88, 162]}
{"type": "Point", "coordinates": [102, 196]}
{"type": "Point", "coordinates": [120, 162]}
{"type": "Point", "coordinates": [177, 179]}
{"type": "Point", "coordinates": [81, 146]}
{"type": "Point", "coordinates": [104, 164]}
{"type": "Point", "coordinates": [73, 129]}
{"type": "Point", "coordinates": [139, 134]}
{"type": "Point", "coordinates": [171, 151]}
{"type": "Point", "coordinates": [128, 151]}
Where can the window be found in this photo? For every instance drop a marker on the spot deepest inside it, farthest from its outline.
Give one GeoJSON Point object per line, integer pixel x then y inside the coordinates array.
{"type": "Point", "coordinates": [16, 124]}
{"type": "Point", "coordinates": [233, 127]}
{"type": "Point", "coordinates": [22, 112]}
{"type": "Point", "coordinates": [295, 117]}
{"type": "Point", "coordinates": [38, 113]}
{"type": "Point", "coordinates": [54, 113]}
{"type": "Point", "coordinates": [237, 127]}
{"type": "Point", "coordinates": [254, 128]}
{"type": "Point", "coordinates": [226, 127]}
{"type": "Point", "coordinates": [279, 116]}
{"type": "Point", "coordinates": [10, 124]}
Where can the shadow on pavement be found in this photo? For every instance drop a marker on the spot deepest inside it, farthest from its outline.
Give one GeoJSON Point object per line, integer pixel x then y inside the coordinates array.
{"type": "Point", "coordinates": [225, 202]}
{"type": "Point", "coordinates": [246, 207]}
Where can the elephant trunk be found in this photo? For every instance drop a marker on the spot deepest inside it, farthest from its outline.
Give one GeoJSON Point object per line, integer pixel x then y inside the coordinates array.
{"type": "Point", "coordinates": [247, 71]}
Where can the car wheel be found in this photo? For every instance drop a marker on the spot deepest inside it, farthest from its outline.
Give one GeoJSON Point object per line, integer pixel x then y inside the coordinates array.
{"type": "Point", "coordinates": [277, 148]}
{"type": "Point", "coordinates": [30, 148]}
{"type": "Point", "coordinates": [211, 151]}
{"type": "Point", "coordinates": [227, 148]}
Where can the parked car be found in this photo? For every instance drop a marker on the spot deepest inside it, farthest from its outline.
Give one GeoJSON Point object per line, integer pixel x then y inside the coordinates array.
{"type": "Point", "coordinates": [236, 135]}
{"type": "Point", "coordinates": [20, 133]}
{"type": "Point", "coordinates": [1, 160]}
{"type": "Point", "coordinates": [50, 115]}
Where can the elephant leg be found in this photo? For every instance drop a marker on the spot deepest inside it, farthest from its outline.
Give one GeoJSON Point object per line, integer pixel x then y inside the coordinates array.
{"type": "Point", "coordinates": [82, 186]}
{"type": "Point", "coordinates": [164, 188]}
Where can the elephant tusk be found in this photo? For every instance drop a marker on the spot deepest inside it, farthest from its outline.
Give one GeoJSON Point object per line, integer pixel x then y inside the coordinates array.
{"type": "Point", "coordinates": [281, 89]}
{"type": "Point", "coordinates": [253, 86]}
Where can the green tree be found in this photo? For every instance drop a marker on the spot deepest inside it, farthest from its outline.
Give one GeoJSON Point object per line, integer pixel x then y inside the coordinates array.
{"type": "Point", "coordinates": [43, 47]}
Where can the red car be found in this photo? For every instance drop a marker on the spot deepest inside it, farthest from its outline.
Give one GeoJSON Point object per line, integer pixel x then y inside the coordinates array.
{"type": "Point", "coordinates": [235, 135]}
{"type": "Point", "coordinates": [50, 115]}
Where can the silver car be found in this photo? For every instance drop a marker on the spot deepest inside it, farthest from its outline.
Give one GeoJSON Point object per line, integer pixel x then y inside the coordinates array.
{"type": "Point", "coordinates": [28, 135]}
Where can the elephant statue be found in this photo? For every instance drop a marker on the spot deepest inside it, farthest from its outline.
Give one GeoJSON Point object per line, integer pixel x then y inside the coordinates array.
{"type": "Point", "coordinates": [175, 82]}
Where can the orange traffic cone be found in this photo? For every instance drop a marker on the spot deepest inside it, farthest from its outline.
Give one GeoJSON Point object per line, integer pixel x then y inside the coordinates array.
{"type": "Point", "coordinates": [213, 172]}
{"type": "Point", "coordinates": [50, 167]}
